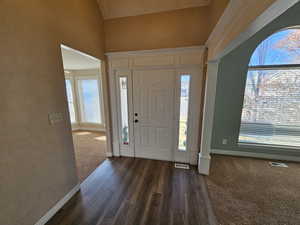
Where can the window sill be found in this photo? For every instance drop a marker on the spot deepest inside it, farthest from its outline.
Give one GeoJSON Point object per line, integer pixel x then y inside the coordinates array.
{"type": "Point", "coordinates": [245, 145]}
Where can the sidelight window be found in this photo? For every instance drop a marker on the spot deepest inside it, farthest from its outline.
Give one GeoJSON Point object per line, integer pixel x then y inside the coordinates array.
{"type": "Point", "coordinates": [124, 110]}
{"type": "Point", "coordinates": [184, 111]}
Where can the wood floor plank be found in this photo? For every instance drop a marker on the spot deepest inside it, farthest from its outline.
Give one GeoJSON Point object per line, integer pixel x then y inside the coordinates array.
{"type": "Point", "coordinates": [127, 191]}
{"type": "Point", "coordinates": [166, 212]}
{"type": "Point", "coordinates": [141, 206]}
{"type": "Point", "coordinates": [113, 206]}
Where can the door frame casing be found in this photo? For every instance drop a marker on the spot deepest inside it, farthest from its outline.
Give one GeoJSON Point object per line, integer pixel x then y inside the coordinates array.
{"type": "Point", "coordinates": [193, 141]}
{"type": "Point", "coordinates": [103, 77]}
{"type": "Point", "coordinates": [181, 60]}
{"type": "Point", "coordinates": [125, 150]}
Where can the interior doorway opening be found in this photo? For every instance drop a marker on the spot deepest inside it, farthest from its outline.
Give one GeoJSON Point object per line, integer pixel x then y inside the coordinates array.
{"type": "Point", "coordinates": [84, 89]}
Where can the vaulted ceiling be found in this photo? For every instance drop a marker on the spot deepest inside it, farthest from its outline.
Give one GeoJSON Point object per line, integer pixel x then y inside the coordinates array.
{"type": "Point", "coordinates": [123, 8]}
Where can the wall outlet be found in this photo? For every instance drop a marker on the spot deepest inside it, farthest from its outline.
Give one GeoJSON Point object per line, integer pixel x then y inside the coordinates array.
{"type": "Point", "coordinates": [224, 141]}
{"type": "Point", "coordinates": [55, 118]}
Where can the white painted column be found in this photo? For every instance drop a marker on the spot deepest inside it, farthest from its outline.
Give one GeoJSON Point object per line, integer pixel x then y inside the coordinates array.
{"type": "Point", "coordinates": [106, 111]}
{"type": "Point", "coordinates": [208, 117]}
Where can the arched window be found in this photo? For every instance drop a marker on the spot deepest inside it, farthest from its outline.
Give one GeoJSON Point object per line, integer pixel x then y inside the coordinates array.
{"type": "Point", "coordinates": [271, 110]}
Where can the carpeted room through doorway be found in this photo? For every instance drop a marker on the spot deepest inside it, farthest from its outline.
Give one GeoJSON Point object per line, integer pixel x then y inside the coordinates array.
{"type": "Point", "coordinates": [90, 151]}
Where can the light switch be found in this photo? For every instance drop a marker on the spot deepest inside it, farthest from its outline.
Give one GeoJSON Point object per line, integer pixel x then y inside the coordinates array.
{"type": "Point", "coordinates": [55, 117]}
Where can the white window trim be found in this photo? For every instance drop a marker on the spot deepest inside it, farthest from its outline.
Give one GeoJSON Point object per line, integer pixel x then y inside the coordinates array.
{"type": "Point", "coordinates": [75, 77]}
{"type": "Point", "coordinates": [75, 100]}
{"type": "Point", "coordinates": [258, 145]}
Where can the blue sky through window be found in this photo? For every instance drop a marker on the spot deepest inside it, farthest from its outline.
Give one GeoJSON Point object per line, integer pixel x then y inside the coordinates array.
{"type": "Point", "coordinates": [280, 48]}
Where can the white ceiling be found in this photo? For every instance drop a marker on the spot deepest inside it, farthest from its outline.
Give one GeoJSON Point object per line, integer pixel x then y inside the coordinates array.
{"type": "Point", "coordinates": [75, 60]}
{"type": "Point", "coordinates": [122, 8]}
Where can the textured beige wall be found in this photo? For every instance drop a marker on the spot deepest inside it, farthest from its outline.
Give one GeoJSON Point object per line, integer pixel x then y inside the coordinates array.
{"type": "Point", "coordinates": [124, 8]}
{"type": "Point", "coordinates": [177, 28]}
{"type": "Point", "coordinates": [37, 165]}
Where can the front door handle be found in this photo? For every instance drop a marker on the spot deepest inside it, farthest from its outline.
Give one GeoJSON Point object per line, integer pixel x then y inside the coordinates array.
{"type": "Point", "coordinates": [136, 121]}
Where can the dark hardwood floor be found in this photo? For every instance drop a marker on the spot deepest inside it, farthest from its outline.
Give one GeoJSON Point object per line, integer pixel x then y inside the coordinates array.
{"type": "Point", "coordinates": [127, 191]}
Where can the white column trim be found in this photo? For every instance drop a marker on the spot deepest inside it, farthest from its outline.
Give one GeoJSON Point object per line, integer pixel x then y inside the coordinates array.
{"type": "Point", "coordinates": [271, 13]}
{"type": "Point", "coordinates": [109, 154]}
{"type": "Point", "coordinates": [204, 163]}
{"type": "Point", "coordinates": [113, 107]}
{"type": "Point", "coordinates": [208, 117]}
{"type": "Point", "coordinates": [106, 109]}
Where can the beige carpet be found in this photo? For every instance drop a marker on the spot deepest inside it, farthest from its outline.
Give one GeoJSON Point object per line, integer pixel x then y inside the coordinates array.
{"type": "Point", "coordinates": [89, 151]}
{"type": "Point", "coordinates": [248, 191]}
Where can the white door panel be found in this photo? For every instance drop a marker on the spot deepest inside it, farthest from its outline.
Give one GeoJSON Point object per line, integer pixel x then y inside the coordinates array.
{"type": "Point", "coordinates": [153, 100]}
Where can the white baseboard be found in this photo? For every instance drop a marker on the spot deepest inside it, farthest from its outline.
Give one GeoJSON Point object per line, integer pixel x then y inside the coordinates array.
{"type": "Point", "coordinates": [194, 157]}
{"type": "Point", "coordinates": [109, 154]}
{"type": "Point", "coordinates": [127, 154]}
{"type": "Point", "coordinates": [204, 164]}
{"type": "Point", "coordinates": [116, 148]}
{"type": "Point", "coordinates": [256, 155]}
{"type": "Point", "coordinates": [58, 206]}
{"type": "Point", "coordinates": [116, 155]}
{"type": "Point", "coordinates": [89, 129]}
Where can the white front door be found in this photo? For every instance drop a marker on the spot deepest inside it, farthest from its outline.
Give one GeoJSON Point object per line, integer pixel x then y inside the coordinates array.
{"type": "Point", "coordinates": [156, 119]}
{"type": "Point", "coordinates": [153, 106]}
